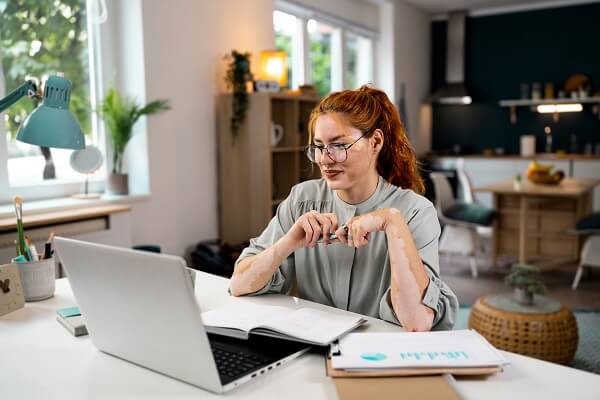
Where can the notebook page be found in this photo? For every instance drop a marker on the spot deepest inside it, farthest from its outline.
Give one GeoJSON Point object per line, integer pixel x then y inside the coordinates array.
{"type": "Point", "coordinates": [320, 327]}
{"type": "Point", "coordinates": [241, 315]}
{"type": "Point", "coordinates": [461, 348]}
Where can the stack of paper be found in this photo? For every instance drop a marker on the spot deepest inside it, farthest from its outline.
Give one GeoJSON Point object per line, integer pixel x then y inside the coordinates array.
{"type": "Point", "coordinates": [446, 349]}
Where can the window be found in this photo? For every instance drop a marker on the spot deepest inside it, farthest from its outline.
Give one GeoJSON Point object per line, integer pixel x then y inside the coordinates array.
{"type": "Point", "coordinates": [329, 53]}
{"type": "Point", "coordinates": [38, 38]}
{"type": "Point", "coordinates": [359, 64]}
{"type": "Point", "coordinates": [320, 37]}
{"type": "Point", "coordinates": [284, 26]}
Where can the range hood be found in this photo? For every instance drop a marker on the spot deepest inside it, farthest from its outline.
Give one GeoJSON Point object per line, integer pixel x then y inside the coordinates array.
{"type": "Point", "coordinates": [454, 91]}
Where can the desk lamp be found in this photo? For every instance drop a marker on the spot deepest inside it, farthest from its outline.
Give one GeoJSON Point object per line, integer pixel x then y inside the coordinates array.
{"type": "Point", "coordinates": [272, 72]}
{"type": "Point", "coordinates": [51, 124]}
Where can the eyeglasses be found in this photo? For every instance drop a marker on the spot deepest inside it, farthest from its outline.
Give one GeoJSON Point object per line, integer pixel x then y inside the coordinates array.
{"type": "Point", "coordinates": [337, 152]}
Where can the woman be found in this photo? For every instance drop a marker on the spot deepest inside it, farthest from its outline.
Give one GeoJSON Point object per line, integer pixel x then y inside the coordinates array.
{"type": "Point", "coordinates": [383, 259]}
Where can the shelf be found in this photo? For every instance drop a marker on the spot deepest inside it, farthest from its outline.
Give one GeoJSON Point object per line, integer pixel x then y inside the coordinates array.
{"type": "Point", "coordinates": [529, 102]}
{"type": "Point", "coordinates": [513, 104]}
{"type": "Point", "coordinates": [287, 149]}
{"type": "Point", "coordinates": [253, 174]}
{"type": "Point", "coordinates": [299, 97]}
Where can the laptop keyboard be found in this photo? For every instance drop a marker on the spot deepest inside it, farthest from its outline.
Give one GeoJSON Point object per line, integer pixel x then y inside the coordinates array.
{"type": "Point", "coordinates": [236, 363]}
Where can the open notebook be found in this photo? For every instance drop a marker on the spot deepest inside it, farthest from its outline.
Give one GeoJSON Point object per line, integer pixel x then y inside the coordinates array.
{"type": "Point", "coordinates": [305, 325]}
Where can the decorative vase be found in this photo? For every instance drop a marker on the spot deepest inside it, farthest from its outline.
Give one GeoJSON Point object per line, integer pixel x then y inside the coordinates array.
{"type": "Point", "coordinates": [523, 296]}
{"type": "Point", "coordinates": [118, 184]}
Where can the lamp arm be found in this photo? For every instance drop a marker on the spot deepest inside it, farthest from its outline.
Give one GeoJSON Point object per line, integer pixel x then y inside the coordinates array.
{"type": "Point", "coordinates": [28, 88]}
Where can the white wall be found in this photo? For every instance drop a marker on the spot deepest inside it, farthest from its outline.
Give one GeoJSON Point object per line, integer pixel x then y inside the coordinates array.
{"type": "Point", "coordinates": [412, 65]}
{"type": "Point", "coordinates": [385, 50]}
{"type": "Point", "coordinates": [184, 44]}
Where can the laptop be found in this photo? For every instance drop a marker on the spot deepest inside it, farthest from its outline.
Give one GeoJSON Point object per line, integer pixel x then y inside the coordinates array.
{"type": "Point", "coordinates": [141, 307]}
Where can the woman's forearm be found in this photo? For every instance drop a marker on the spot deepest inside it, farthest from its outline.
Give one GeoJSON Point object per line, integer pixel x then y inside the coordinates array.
{"type": "Point", "coordinates": [409, 280]}
{"type": "Point", "coordinates": [253, 273]}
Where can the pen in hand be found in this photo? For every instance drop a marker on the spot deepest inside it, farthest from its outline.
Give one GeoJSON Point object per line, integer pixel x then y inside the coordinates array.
{"type": "Point", "coordinates": [333, 237]}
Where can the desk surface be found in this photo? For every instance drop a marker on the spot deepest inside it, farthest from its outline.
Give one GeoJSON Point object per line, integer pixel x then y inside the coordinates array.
{"type": "Point", "coordinates": [569, 187]}
{"type": "Point", "coordinates": [40, 359]}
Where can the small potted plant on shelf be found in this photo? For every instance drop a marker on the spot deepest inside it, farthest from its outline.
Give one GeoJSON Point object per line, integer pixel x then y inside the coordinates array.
{"type": "Point", "coordinates": [120, 115]}
{"type": "Point", "coordinates": [524, 279]}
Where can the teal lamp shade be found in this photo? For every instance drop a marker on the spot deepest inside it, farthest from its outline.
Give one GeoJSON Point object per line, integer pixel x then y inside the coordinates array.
{"type": "Point", "coordinates": [51, 124]}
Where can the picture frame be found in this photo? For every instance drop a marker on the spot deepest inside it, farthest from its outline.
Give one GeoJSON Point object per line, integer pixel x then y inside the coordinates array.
{"type": "Point", "coordinates": [11, 290]}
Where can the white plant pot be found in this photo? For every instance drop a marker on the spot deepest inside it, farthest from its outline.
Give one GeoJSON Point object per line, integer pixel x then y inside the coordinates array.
{"type": "Point", "coordinates": [118, 184]}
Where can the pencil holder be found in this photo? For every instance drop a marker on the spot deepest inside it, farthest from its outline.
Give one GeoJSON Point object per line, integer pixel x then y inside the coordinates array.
{"type": "Point", "coordinates": [38, 279]}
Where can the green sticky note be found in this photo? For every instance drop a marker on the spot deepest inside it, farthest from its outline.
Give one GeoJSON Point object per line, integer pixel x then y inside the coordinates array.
{"type": "Point", "coordinates": [69, 312]}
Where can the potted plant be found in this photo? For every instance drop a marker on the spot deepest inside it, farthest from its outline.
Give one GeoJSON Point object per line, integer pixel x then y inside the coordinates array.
{"type": "Point", "coordinates": [237, 77]}
{"type": "Point", "coordinates": [524, 278]}
{"type": "Point", "coordinates": [120, 115]}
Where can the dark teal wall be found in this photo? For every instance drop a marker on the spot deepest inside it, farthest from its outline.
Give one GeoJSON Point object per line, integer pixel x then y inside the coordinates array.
{"type": "Point", "coordinates": [503, 51]}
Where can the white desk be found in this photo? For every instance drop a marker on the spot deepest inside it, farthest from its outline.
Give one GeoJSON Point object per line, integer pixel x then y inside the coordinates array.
{"type": "Point", "coordinates": [39, 359]}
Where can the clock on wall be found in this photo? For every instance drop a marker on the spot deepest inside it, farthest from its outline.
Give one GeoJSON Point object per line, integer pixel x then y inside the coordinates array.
{"type": "Point", "coordinates": [11, 291]}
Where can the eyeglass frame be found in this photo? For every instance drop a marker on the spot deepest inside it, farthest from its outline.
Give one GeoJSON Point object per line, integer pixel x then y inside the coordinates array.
{"type": "Point", "coordinates": [326, 148]}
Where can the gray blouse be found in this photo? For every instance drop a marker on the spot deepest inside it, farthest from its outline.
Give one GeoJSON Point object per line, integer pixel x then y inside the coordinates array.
{"type": "Point", "coordinates": [356, 279]}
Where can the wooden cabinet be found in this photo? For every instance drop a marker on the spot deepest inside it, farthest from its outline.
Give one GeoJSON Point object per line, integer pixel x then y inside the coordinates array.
{"type": "Point", "coordinates": [255, 174]}
{"type": "Point", "coordinates": [589, 169]}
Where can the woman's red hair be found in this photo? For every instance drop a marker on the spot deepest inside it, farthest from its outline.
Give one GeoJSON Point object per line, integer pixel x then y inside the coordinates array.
{"type": "Point", "coordinates": [368, 109]}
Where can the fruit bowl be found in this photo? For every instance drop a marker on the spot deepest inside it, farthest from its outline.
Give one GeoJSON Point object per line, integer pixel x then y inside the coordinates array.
{"type": "Point", "coordinates": [546, 179]}
{"type": "Point", "coordinates": [542, 174]}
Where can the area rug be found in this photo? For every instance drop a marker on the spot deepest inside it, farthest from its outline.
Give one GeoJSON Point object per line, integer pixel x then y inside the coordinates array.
{"type": "Point", "coordinates": [587, 357]}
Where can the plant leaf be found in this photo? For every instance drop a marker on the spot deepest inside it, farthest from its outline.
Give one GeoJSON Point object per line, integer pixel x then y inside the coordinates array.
{"type": "Point", "coordinates": [120, 115]}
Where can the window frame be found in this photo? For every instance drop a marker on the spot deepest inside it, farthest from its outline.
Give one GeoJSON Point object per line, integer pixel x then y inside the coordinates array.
{"type": "Point", "coordinates": [64, 187]}
{"type": "Point", "coordinates": [301, 44]}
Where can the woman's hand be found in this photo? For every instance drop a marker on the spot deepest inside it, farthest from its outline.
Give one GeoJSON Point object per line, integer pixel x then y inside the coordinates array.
{"type": "Point", "coordinates": [359, 228]}
{"type": "Point", "coordinates": [310, 227]}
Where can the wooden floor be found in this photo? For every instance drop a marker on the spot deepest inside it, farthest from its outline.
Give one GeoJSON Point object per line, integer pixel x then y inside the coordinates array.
{"type": "Point", "coordinates": [457, 274]}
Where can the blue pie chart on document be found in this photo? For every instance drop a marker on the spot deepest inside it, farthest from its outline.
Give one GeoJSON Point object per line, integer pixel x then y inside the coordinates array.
{"type": "Point", "coordinates": [373, 356]}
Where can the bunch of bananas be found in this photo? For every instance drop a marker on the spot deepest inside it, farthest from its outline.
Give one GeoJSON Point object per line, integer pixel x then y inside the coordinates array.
{"type": "Point", "coordinates": [542, 173]}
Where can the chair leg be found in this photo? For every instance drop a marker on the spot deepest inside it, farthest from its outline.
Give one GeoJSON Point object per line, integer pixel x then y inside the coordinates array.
{"type": "Point", "coordinates": [473, 264]}
{"type": "Point", "coordinates": [577, 277]}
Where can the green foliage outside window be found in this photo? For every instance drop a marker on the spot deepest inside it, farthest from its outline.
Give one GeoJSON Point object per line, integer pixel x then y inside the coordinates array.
{"type": "Point", "coordinates": [42, 37]}
{"type": "Point", "coordinates": [320, 58]}
{"type": "Point", "coordinates": [284, 43]}
{"type": "Point", "coordinates": [351, 62]}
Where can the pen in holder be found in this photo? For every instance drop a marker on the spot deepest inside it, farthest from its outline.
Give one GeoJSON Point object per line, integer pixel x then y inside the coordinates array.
{"type": "Point", "coordinates": [38, 278]}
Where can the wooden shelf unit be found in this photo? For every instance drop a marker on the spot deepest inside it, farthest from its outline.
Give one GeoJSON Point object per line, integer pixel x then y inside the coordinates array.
{"type": "Point", "coordinates": [254, 176]}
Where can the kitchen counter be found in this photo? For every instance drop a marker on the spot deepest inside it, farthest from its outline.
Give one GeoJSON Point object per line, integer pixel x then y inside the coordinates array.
{"type": "Point", "coordinates": [539, 156]}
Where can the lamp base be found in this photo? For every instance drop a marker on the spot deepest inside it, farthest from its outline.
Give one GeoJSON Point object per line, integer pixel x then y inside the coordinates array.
{"type": "Point", "coordinates": [266, 86]}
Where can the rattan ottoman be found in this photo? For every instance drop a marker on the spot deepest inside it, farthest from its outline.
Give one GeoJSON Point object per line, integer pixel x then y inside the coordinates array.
{"type": "Point", "coordinates": [547, 330]}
